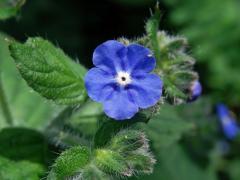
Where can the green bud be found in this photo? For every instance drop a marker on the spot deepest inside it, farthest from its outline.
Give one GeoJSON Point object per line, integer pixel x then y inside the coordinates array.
{"type": "Point", "coordinates": [112, 162]}
{"type": "Point", "coordinates": [71, 163]}
{"type": "Point", "coordinates": [127, 141]}
{"type": "Point", "coordinates": [170, 44]}
{"type": "Point", "coordinates": [92, 172]}
{"type": "Point", "coordinates": [141, 163]}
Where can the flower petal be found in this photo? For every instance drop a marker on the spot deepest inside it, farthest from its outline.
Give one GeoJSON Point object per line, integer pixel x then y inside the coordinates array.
{"type": "Point", "coordinates": [109, 56]}
{"type": "Point", "coordinates": [146, 90]}
{"type": "Point", "coordinates": [140, 59]}
{"type": "Point", "coordinates": [99, 84]}
{"type": "Point", "coordinates": [228, 123]}
{"type": "Point", "coordinates": [120, 106]}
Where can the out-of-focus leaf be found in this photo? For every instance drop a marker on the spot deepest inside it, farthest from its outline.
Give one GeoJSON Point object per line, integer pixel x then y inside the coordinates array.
{"type": "Point", "coordinates": [166, 127]}
{"type": "Point", "coordinates": [9, 8]}
{"type": "Point", "coordinates": [27, 107]}
{"type": "Point", "coordinates": [22, 170]}
{"type": "Point", "coordinates": [174, 164]}
{"type": "Point", "coordinates": [23, 144]}
{"type": "Point", "coordinates": [49, 71]}
{"type": "Point", "coordinates": [233, 168]}
{"type": "Point", "coordinates": [75, 125]}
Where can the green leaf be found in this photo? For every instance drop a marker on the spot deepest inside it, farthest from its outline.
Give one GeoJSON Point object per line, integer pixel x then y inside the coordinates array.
{"type": "Point", "coordinates": [23, 144]}
{"type": "Point", "coordinates": [9, 8]}
{"type": "Point", "coordinates": [49, 71]}
{"type": "Point", "coordinates": [70, 163]}
{"type": "Point", "coordinates": [22, 170]}
{"type": "Point", "coordinates": [167, 127]}
{"type": "Point", "coordinates": [27, 107]}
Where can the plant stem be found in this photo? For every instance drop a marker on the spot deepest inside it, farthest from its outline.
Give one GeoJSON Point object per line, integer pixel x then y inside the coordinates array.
{"type": "Point", "coordinates": [4, 106]}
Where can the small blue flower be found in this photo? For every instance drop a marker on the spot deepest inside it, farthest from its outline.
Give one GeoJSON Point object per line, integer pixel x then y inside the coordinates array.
{"type": "Point", "coordinates": [195, 91]}
{"type": "Point", "coordinates": [121, 80]}
{"type": "Point", "coordinates": [228, 123]}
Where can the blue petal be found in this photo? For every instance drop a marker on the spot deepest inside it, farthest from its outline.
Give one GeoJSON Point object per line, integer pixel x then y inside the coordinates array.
{"type": "Point", "coordinates": [230, 129]}
{"type": "Point", "coordinates": [222, 110]}
{"type": "Point", "coordinates": [146, 90]}
{"type": "Point", "coordinates": [228, 123]}
{"type": "Point", "coordinates": [119, 105]}
{"type": "Point", "coordinates": [99, 84]}
{"type": "Point", "coordinates": [140, 59]}
{"type": "Point", "coordinates": [196, 91]}
{"type": "Point", "coordinates": [110, 56]}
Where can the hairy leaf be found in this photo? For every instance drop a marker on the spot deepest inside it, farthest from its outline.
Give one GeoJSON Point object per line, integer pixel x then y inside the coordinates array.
{"type": "Point", "coordinates": [27, 108]}
{"type": "Point", "coordinates": [49, 71]}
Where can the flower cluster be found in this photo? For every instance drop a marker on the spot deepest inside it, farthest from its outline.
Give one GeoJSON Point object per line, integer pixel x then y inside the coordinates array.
{"type": "Point", "coordinates": [122, 80]}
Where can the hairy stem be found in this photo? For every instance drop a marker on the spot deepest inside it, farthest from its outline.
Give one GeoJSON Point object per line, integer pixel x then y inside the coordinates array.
{"type": "Point", "coordinates": [4, 106]}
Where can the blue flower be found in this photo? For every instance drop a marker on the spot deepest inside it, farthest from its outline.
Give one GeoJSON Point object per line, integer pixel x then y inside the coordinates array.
{"type": "Point", "coordinates": [195, 91]}
{"type": "Point", "coordinates": [121, 80]}
{"type": "Point", "coordinates": [228, 123]}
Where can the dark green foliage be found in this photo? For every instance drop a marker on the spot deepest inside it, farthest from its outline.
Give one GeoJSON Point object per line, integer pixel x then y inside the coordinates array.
{"type": "Point", "coordinates": [22, 144]}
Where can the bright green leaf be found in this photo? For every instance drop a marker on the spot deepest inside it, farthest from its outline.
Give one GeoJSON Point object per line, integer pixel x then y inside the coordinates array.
{"type": "Point", "coordinates": [19, 96]}
{"type": "Point", "coordinates": [49, 71]}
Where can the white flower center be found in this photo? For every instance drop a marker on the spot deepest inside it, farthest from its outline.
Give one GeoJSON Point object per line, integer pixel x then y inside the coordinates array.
{"type": "Point", "coordinates": [123, 78]}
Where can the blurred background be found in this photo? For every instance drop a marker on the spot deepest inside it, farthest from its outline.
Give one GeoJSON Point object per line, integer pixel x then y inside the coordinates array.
{"type": "Point", "coordinates": [211, 26]}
